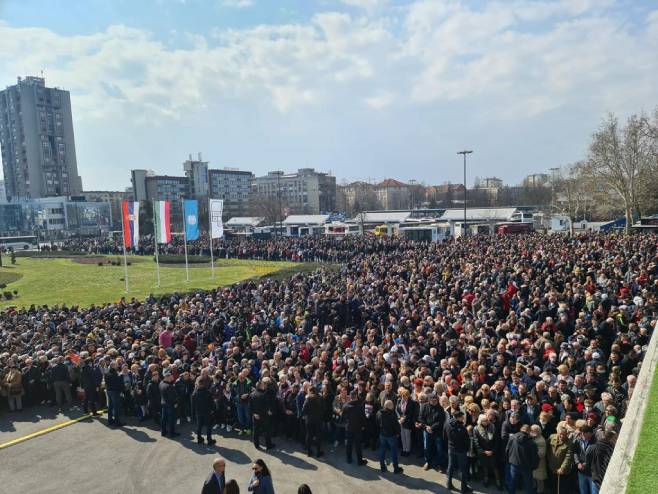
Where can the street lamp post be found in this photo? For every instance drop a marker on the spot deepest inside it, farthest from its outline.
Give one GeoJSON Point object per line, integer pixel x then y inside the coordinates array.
{"type": "Point", "coordinates": [465, 152]}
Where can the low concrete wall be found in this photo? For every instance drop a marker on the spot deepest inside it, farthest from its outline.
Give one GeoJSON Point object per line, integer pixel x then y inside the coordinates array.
{"type": "Point", "coordinates": [619, 468]}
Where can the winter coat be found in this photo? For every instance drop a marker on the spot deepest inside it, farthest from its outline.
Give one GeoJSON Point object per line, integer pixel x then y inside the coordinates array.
{"type": "Point", "coordinates": [540, 473]}
{"type": "Point", "coordinates": [559, 456]}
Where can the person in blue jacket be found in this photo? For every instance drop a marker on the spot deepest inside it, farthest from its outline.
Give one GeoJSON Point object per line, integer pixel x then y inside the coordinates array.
{"type": "Point", "coordinates": [261, 480]}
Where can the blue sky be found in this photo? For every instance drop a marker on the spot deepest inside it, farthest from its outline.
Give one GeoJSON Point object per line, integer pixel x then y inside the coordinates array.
{"type": "Point", "coordinates": [366, 89]}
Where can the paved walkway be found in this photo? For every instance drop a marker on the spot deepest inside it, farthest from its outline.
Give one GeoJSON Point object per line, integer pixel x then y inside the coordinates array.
{"type": "Point", "coordinates": [90, 457]}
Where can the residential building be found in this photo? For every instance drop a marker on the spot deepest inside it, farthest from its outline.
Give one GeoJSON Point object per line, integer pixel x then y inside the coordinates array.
{"type": "Point", "coordinates": [537, 180]}
{"type": "Point", "coordinates": [196, 172]}
{"type": "Point", "coordinates": [357, 196]}
{"type": "Point", "coordinates": [138, 182]}
{"type": "Point", "coordinates": [393, 194]}
{"type": "Point", "coordinates": [304, 192]}
{"type": "Point", "coordinates": [37, 141]}
{"type": "Point", "coordinates": [234, 186]}
{"type": "Point", "coordinates": [111, 197]}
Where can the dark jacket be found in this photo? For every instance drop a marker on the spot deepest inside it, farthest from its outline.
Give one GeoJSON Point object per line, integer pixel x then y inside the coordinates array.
{"type": "Point", "coordinates": [210, 486]}
{"type": "Point", "coordinates": [434, 416]}
{"type": "Point", "coordinates": [90, 377]}
{"type": "Point", "coordinates": [203, 402]}
{"type": "Point", "coordinates": [388, 423]}
{"type": "Point", "coordinates": [457, 436]}
{"type": "Point", "coordinates": [580, 453]}
{"type": "Point", "coordinates": [313, 409]}
{"type": "Point", "coordinates": [522, 451]}
{"type": "Point", "coordinates": [598, 456]}
{"type": "Point", "coordinates": [354, 416]}
{"type": "Point", "coordinates": [60, 372]}
{"type": "Point", "coordinates": [409, 415]}
{"type": "Point", "coordinates": [113, 381]}
{"type": "Point", "coordinates": [168, 393]}
{"type": "Point", "coordinates": [258, 403]}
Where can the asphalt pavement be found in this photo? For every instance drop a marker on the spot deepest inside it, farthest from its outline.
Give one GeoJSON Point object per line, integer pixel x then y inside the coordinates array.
{"type": "Point", "coordinates": [90, 457]}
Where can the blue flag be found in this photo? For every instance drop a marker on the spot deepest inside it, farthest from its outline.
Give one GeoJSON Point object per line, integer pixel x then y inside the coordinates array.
{"type": "Point", "coordinates": [191, 210]}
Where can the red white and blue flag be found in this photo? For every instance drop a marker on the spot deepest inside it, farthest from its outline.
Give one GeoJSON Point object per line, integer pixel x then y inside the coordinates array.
{"type": "Point", "coordinates": [130, 224]}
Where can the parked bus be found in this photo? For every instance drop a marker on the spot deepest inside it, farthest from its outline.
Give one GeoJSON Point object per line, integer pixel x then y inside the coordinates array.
{"type": "Point", "coordinates": [427, 233]}
{"type": "Point", "coordinates": [25, 242]}
{"type": "Point", "coordinates": [339, 229]}
{"type": "Point", "coordinates": [513, 227]}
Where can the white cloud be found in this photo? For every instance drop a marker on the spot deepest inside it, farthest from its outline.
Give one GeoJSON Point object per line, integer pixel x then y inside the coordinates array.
{"type": "Point", "coordinates": [514, 59]}
{"type": "Point", "coordinates": [380, 100]}
{"type": "Point", "coordinates": [238, 4]}
{"type": "Point", "coordinates": [368, 5]}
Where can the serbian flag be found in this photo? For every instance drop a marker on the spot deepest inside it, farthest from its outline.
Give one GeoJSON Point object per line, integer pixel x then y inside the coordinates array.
{"type": "Point", "coordinates": [130, 212]}
{"type": "Point", "coordinates": [162, 221]}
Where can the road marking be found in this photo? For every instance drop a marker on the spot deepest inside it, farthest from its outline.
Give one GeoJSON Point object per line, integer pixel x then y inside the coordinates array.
{"type": "Point", "coordinates": [45, 431]}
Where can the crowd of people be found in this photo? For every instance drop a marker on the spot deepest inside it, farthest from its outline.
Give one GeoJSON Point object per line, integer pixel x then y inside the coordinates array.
{"type": "Point", "coordinates": [510, 360]}
{"type": "Point", "coordinates": [277, 248]}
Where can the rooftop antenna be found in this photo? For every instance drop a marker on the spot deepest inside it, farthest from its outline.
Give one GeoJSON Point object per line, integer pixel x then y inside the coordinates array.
{"type": "Point", "coordinates": [199, 156]}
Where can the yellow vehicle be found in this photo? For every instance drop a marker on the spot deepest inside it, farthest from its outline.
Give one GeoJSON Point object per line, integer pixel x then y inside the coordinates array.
{"type": "Point", "coordinates": [382, 231]}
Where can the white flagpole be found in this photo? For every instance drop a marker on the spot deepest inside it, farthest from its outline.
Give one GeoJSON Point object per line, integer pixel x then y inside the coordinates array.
{"type": "Point", "coordinates": [125, 260]}
{"type": "Point", "coordinates": [212, 257]}
{"type": "Point", "coordinates": [187, 268]}
{"type": "Point", "coordinates": [155, 231]}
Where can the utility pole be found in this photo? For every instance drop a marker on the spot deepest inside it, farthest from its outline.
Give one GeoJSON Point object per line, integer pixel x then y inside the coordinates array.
{"type": "Point", "coordinates": [464, 153]}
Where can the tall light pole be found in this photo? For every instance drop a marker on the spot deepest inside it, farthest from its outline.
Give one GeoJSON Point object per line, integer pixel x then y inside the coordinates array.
{"type": "Point", "coordinates": [465, 152]}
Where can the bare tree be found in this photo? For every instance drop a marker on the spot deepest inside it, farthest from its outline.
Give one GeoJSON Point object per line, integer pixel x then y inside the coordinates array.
{"type": "Point", "coordinates": [571, 193]}
{"type": "Point", "coordinates": [621, 157]}
{"type": "Point", "coordinates": [267, 207]}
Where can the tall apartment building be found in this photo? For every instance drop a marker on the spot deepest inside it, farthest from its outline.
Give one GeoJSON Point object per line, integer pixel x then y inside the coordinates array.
{"type": "Point", "coordinates": [196, 172]}
{"type": "Point", "coordinates": [304, 192]}
{"type": "Point", "coordinates": [36, 137]}
{"type": "Point", "coordinates": [234, 187]}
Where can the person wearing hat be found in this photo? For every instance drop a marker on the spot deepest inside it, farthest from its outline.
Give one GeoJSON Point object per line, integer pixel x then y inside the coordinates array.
{"type": "Point", "coordinates": [584, 439]}
{"type": "Point", "coordinates": [458, 445]}
{"type": "Point", "coordinates": [168, 397]}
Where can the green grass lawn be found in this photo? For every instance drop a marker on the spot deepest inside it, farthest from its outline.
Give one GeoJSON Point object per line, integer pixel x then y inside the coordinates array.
{"type": "Point", "coordinates": [644, 471]}
{"type": "Point", "coordinates": [56, 281]}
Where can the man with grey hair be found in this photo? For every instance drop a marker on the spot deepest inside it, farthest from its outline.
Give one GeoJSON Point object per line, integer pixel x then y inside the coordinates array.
{"type": "Point", "coordinates": [389, 428]}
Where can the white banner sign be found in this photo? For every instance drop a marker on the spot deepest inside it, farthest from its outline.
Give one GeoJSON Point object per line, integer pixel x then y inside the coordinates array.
{"type": "Point", "coordinates": [216, 225]}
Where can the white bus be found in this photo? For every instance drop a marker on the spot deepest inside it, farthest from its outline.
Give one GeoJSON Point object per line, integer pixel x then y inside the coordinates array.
{"type": "Point", "coordinates": [26, 242]}
{"type": "Point", "coordinates": [428, 233]}
{"type": "Point", "coordinates": [339, 229]}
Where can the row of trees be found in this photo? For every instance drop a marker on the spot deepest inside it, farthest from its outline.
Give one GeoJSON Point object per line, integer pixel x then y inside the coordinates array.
{"type": "Point", "coordinates": [619, 176]}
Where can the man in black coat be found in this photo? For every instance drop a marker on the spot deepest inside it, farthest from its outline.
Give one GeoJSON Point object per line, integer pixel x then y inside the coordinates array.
{"type": "Point", "coordinates": [431, 421]}
{"type": "Point", "coordinates": [523, 458]}
{"type": "Point", "coordinates": [261, 412]}
{"type": "Point", "coordinates": [168, 397]}
{"type": "Point", "coordinates": [354, 416]}
{"type": "Point", "coordinates": [113, 388]}
{"type": "Point", "coordinates": [90, 381]}
{"type": "Point", "coordinates": [458, 445]}
{"type": "Point", "coordinates": [203, 408]}
{"type": "Point", "coordinates": [389, 431]}
{"type": "Point", "coordinates": [313, 413]}
{"type": "Point", "coordinates": [216, 481]}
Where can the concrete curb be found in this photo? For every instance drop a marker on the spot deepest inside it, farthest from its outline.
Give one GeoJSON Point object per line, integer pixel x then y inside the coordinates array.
{"type": "Point", "coordinates": [619, 468]}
